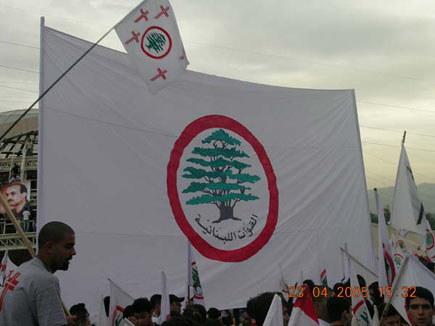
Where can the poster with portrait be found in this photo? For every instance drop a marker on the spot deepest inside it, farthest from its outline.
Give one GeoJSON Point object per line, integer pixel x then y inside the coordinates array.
{"type": "Point", "coordinates": [17, 194]}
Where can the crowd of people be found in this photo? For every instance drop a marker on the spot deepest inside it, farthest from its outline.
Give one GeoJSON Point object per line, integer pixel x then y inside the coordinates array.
{"type": "Point", "coordinates": [31, 297]}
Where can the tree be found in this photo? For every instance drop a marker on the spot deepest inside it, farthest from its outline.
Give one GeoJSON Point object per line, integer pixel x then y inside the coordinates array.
{"type": "Point", "coordinates": [220, 174]}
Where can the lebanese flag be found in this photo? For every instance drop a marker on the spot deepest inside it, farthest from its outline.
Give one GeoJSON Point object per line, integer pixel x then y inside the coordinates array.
{"type": "Point", "coordinates": [386, 267]}
{"type": "Point", "coordinates": [303, 313]}
{"type": "Point", "coordinates": [119, 299]}
{"type": "Point", "coordinates": [150, 35]}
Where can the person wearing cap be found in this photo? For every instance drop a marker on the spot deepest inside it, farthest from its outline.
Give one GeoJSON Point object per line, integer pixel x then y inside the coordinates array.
{"type": "Point", "coordinates": [175, 305]}
{"type": "Point", "coordinates": [156, 300]}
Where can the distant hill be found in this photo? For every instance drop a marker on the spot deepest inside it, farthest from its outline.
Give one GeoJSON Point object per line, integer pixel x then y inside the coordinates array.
{"type": "Point", "coordinates": [426, 192]}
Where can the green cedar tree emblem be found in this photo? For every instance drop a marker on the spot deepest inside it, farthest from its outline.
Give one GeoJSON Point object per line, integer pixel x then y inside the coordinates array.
{"type": "Point", "coordinates": [156, 41]}
{"type": "Point", "coordinates": [219, 171]}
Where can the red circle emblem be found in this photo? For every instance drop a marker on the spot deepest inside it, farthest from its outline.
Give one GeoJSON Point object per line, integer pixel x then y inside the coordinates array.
{"type": "Point", "coordinates": [207, 250]}
{"type": "Point", "coordinates": [159, 42]}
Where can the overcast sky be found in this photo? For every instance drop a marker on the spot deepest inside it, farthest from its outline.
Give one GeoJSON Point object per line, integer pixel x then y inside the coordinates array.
{"type": "Point", "coordinates": [385, 50]}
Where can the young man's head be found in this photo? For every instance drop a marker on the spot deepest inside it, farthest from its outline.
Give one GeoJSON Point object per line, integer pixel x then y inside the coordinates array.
{"type": "Point", "coordinates": [81, 313]}
{"type": "Point", "coordinates": [56, 243]}
{"type": "Point", "coordinates": [320, 302]}
{"type": "Point", "coordinates": [392, 318]}
{"type": "Point", "coordinates": [258, 307]}
{"type": "Point", "coordinates": [175, 304]}
{"type": "Point", "coordinates": [16, 194]}
{"type": "Point", "coordinates": [339, 311]}
{"type": "Point", "coordinates": [156, 300]}
{"type": "Point", "coordinates": [142, 312]}
{"type": "Point", "coordinates": [420, 307]}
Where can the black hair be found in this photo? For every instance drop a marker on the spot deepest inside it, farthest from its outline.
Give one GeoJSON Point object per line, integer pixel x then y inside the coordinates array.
{"type": "Point", "coordinates": [310, 284]}
{"type": "Point", "coordinates": [258, 307]}
{"type": "Point", "coordinates": [142, 305]}
{"type": "Point", "coordinates": [213, 313]}
{"type": "Point", "coordinates": [391, 311]}
{"type": "Point", "coordinates": [336, 306]}
{"type": "Point", "coordinates": [53, 231]}
{"type": "Point", "coordinates": [79, 310]}
{"type": "Point", "coordinates": [361, 281]}
{"type": "Point", "coordinates": [128, 312]}
{"type": "Point", "coordinates": [180, 321]}
{"type": "Point", "coordinates": [155, 299]}
{"type": "Point", "coordinates": [420, 292]}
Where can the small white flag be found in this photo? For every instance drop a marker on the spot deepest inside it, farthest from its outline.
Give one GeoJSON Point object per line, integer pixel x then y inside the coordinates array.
{"type": "Point", "coordinates": [429, 240]}
{"type": "Point", "coordinates": [150, 35]}
{"type": "Point", "coordinates": [274, 315]}
{"type": "Point", "coordinates": [412, 274]}
{"type": "Point", "coordinates": [165, 309]}
{"type": "Point", "coordinates": [102, 317]}
{"type": "Point", "coordinates": [408, 211]}
{"type": "Point", "coordinates": [119, 299]}
{"type": "Point", "coordinates": [193, 278]}
{"type": "Point", "coordinates": [386, 267]}
{"type": "Point", "coordinates": [359, 307]}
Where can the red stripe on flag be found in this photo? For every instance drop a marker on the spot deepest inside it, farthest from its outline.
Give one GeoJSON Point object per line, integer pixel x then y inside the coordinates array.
{"type": "Point", "coordinates": [305, 303]}
{"type": "Point", "coordinates": [359, 304]}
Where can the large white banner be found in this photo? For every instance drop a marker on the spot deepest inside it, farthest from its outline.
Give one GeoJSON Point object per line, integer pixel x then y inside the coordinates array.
{"type": "Point", "coordinates": [254, 176]}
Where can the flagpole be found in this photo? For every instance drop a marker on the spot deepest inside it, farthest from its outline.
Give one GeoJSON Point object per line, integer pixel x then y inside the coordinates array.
{"type": "Point", "coordinates": [358, 262]}
{"type": "Point", "coordinates": [56, 81]}
{"type": "Point", "coordinates": [394, 289]}
{"type": "Point", "coordinates": [404, 137]}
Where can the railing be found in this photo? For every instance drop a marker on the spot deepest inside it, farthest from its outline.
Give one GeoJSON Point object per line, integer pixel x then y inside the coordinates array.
{"type": "Point", "coordinates": [30, 164]}
{"type": "Point", "coordinates": [13, 241]}
{"type": "Point", "coordinates": [8, 227]}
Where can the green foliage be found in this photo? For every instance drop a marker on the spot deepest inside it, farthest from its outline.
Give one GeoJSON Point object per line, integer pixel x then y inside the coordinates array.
{"type": "Point", "coordinates": [221, 136]}
{"type": "Point", "coordinates": [220, 172]}
{"type": "Point", "coordinates": [198, 186]}
{"type": "Point", "coordinates": [206, 199]}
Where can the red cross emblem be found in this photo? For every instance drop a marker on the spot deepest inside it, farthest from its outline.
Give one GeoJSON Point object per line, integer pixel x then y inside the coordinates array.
{"type": "Point", "coordinates": [163, 11]}
{"type": "Point", "coordinates": [10, 285]}
{"type": "Point", "coordinates": [143, 14]}
{"type": "Point", "coordinates": [161, 73]}
{"type": "Point", "coordinates": [135, 37]}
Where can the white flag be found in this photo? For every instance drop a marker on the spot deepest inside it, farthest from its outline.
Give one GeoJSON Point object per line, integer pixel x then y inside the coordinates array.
{"type": "Point", "coordinates": [146, 152]}
{"type": "Point", "coordinates": [429, 240]}
{"type": "Point", "coordinates": [165, 305]}
{"type": "Point", "coordinates": [359, 306]}
{"type": "Point", "coordinates": [412, 274]}
{"type": "Point", "coordinates": [407, 211]}
{"type": "Point", "coordinates": [119, 299]}
{"type": "Point", "coordinates": [386, 267]}
{"type": "Point", "coordinates": [6, 267]}
{"type": "Point", "coordinates": [274, 315]}
{"type": "Point", "coordinates": [151, 38]}
{"type": "Point", "coordinates": [304, 313]}
{"type": "Point", "coordinates": [3, 265]}
{"type": "Point", "coordinates": [193, 278]}
{"type": "Point", "coordinates": [102, 317]}
{"type": "Point", "coordinates": [399, 256]}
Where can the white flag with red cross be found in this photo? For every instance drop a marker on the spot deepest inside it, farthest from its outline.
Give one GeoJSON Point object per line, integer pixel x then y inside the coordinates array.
{"type": "Point", "coordinates": [7, 267]}
{"type": "Point", "coordinates": [150, 35]}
